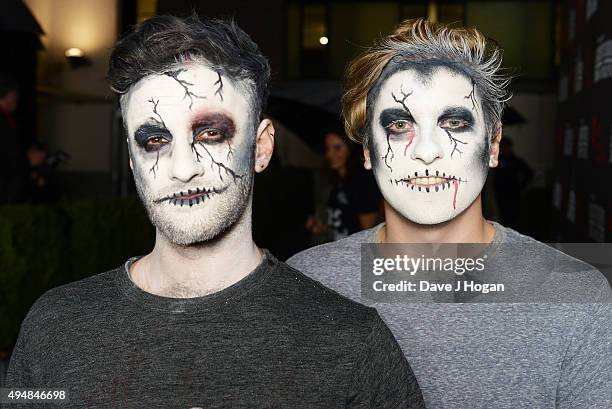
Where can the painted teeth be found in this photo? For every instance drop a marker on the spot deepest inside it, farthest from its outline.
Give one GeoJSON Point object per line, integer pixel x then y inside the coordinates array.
{"type": "Point", "coordinates": [427, 181]}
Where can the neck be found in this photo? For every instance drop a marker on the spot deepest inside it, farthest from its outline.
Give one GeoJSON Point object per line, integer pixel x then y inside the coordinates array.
{"type": "Point", "coordinates": [468, 227]}
{"type": "Point", "coordinates": [197, 270]}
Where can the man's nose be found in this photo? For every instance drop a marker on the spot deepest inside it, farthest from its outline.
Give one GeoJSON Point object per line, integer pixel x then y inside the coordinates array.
{"type": "Point", "coordinates": [428, 146]}
{"type": "Point", "coordinates": [186, 162]}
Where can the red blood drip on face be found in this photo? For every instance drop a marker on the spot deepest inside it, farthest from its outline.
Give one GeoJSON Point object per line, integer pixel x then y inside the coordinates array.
{"type": "Point", "coordinates": [456, 184]}
{"type": "Point", "coordinates": [411, 137]}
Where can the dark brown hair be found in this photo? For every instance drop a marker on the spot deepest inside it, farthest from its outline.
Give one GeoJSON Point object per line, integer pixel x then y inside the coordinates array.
{"type": "Point", "coordinates": [163, 43]}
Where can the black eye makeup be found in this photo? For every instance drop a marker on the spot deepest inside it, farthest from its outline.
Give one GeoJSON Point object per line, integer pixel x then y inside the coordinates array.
{"type": "Point", "coordinates": [213, 128]}
{"type": "Point", "coordinates": [152, 137]}
{"type": "Point", "coordinates": [456, 119]}
{"type": "Point", "coordinates": [396, 121]}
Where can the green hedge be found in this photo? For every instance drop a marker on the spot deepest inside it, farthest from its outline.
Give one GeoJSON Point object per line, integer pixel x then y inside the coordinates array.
{"type": "Point", "coordinates": [45, 246]}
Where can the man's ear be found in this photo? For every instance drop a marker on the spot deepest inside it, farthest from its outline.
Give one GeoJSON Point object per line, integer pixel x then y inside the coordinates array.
{"type": "Point", "coordinates": [366, 155]}
{"type": "Point", "coordinates": [264, 145]}
{"type": "Point", "coordinates": [494, 151]}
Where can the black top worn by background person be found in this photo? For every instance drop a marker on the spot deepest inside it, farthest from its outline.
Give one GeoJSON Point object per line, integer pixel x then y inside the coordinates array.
{"type": "Point", "coordinates": [511, 176]}
{"type": "Point", "coordinates": [356, 194]}
{"type": "Point", "coordinates": [276, 339]}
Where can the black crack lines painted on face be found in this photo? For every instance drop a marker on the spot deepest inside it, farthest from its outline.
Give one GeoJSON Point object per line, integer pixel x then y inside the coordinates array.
{"type": "Point", "coordinates": [221, 167]}
{"type": "Point", "coordinates": [472, 96]}
{"type": "Point", "coordinates": [230, 151]}
{"type": "Point", "coordinates": [454, 141]}
{"type": "Point", "coordinates": [159, 121]}
{"type": "Point", "coordinates": [155, 167]}
{"type": "Point", "coordinates": [157, 118]}
{"type": "Point", "coordinates": [219, 83]}
{"type": "Point", "coordinates": [402, 102]}
{"type": "Point", "coordinates": [188, 94]}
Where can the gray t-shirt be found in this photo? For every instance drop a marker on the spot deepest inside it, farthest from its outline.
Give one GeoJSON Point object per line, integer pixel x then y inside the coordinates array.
{"type": "Point", "coordinates": [275, 339]}
{"type": "Point", "coordinates": [503, 355]}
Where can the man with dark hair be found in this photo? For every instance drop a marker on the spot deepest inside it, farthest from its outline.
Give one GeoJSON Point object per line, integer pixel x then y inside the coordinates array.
{"type": "Point", "coordinates": [512, 175]}
{"type": "Point", "coordinates": [426, 103]}
{"type": "Point", "coordinates": [207, 319]}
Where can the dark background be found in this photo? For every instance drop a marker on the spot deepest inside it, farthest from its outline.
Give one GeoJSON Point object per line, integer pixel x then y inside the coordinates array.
{"type": "Point", "coordinates": [560, 52]}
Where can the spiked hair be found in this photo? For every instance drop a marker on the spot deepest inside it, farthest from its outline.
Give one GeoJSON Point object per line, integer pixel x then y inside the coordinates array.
{"type": "Point", "coordinates": [165, 43]}
{"type": "Point", "coordinates": [421, 45]}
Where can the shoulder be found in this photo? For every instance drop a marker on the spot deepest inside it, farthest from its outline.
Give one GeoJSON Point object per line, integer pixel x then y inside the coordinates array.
{"type": "Point", "coordinates": [79, 299]}
{"type": "Point", "coordinates": [303, 301]}
{"type": "Point", "coordinates": [568, 278]}
{"type": "Point", "coordinates": [336, 264]}
{"type": "Point", "coordinates": [335, 253]}
{"type": "Point", "coordinates": [310, 295]}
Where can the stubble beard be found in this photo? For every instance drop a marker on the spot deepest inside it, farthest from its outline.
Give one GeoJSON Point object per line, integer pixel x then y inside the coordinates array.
{"type": "Point", "coordinates": [183, 229]}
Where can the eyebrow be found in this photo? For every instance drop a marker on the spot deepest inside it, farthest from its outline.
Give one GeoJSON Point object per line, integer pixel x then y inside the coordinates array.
{"type": "Point", "coordinates": [394, 114]}
{"type": "Point", "coordinates": [145, 130]}
{"type": "Point", "coordinates": [457, 112]}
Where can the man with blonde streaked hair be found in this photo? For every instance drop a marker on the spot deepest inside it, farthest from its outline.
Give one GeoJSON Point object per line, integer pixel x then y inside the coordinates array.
{"type": "Point", "coordinates": [426, 103]}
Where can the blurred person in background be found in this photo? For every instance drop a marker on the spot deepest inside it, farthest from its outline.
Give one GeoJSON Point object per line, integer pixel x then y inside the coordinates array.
{"type": "Point", "coordinates": [354, 199]}
{"type": "Point", "coordinates": [512, 175]}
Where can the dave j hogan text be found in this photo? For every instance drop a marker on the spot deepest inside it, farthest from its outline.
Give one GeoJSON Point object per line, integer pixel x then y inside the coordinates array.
{"type": "Point", "coordinates": [426, 286]}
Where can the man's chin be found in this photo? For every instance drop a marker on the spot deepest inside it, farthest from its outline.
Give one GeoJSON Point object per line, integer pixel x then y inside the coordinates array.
{"type": "Point", "coordinates": [191, 237]}
{"type": "Point", "coordinates": [431, 220]}
{"type": "Point", "coordinates": [427, 217]}
{"type": "Point", "coordinates": [195, 228]}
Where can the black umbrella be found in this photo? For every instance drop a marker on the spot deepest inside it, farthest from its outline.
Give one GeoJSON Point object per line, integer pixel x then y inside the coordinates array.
{"type": "Point", "coordinates": [512, 117]}
{"type": "Point", "coordinates": [309, 122]}
{"type": "Point", "coordinates": [311, 108]}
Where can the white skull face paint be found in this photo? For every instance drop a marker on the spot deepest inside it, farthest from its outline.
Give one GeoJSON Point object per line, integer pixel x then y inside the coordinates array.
{"type": "Point", "coordinates": [191, 141]}
{"type": "Point", "coordinates": [429, 147]}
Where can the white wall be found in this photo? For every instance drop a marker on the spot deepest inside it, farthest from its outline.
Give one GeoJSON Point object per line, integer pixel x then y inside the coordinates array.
{"type": "Point", "coordinates": [75, 105]}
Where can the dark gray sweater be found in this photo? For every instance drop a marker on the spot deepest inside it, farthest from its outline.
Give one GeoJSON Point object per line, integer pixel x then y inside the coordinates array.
{"type": "Point", "coordinates": [275, 339]}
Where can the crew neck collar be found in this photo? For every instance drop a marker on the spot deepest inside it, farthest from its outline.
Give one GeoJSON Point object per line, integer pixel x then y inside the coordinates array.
{"type": "Point", "coordinates": [498, 237]}
{"type": "Point", "coordinates": [491, 251]}
{"type": "Point", "coordinates": [217, 299]}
